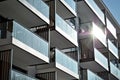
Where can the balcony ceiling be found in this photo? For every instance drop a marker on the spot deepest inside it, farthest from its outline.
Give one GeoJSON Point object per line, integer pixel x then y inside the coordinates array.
{"type": "Point", "coordinates": [92, 65]}
{"type": "Point", "coordinates": [12, 9]}
{"type": "Point", "coordinates": [23, 59]}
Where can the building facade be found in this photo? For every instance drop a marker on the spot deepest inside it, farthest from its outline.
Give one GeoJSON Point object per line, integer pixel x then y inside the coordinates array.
{"type": "Point", "coordinates": [58, 40]}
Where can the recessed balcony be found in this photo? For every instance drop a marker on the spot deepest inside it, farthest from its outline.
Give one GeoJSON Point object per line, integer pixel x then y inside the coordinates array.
{"type": "Point", "coordinates": [27, 12]}
{"type": "Point", "coordinates": [94, 61]}
{"type": "Point", "coordinates": [64, 35]}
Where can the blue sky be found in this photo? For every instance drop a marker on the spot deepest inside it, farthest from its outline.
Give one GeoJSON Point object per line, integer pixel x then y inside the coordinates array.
{"type": "Point", "coordinates": [114, 7]}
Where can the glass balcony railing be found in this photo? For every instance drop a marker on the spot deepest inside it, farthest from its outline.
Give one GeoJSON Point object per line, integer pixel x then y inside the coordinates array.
{"type": "Point", "coordinates": [114, 70]}
{"type": "Point", "coordinates": [98, 33]}
{"type": "Point", "coordinates": [19, 76]}
{"type": "Point", "coordinates": [96, 9]}
{"type": "Point", "coordinates": [40, 6]}
{"type": "Point", "coordinates": [66, 29]}
{"type": "Point", "coordinates": [92, 76]}
{"type": "Point", "coordinates": [111, 28]}
{"type": "Point", "coordinates": [30, 39]}
{"type": "Point", "coordinates": [66, 61]}
{"type": "Point", "coordinates": [71, 3]}
{"type": "Point", "coordinates": [113, 49]}
{"type": "Point", "coordinates": [102, 60]}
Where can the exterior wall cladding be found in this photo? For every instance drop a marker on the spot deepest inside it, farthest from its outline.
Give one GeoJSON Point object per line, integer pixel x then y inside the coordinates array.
{"type": "Point", "coordinates": [58, 40]}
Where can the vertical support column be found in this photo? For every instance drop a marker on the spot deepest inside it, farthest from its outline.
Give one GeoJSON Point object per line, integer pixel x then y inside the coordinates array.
{"type": "Point", "coordinates": [77, 24]}
{"type": "Point", "coordinates": [5, 64]}
{"type": "Point", "coordinates": [56, 75]}
{"type": "Point", "coordinates": [52, 12]}
{"type": "Point", "coordinates": [107, 45]}
{"type": "Point", "coordinates": [78, 48]}
{"type": "Point", "coordinates": [118, 49]}
{"type": "Point", "coordinates": [117, 46]}
{"type": "Point", "coordinates": [52, 4]}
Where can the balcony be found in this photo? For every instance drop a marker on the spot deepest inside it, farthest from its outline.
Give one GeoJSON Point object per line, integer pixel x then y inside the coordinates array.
{"type": "Point", "coordinates": [98, 33]}
{"type": "Point", "coordinates": [26, 47]}
{"type": "Point", "coordinates": [114, 71]}
{"type": "Point", "coordinates": [91, 29]}
{"type": "Point", "coordinates": [66, 63]}
{"type": "Point", "coordinates": [39, 7]}
{"type": "Point", "coordinates": [19, 76]}
{"type": "Point", "coordinates": [67, 6]}
{"type": "Point", "coordinates": [111, 28]}
{"type": "Point", "coordinates": [65, 67]}
{"type": "Point", "coordinates": [64, 34]}
{"type": "Point", "coordinates": [94, 61]}
{"type": "Point", "coordinates": [29, 42]}
{"type": "Point", "coordinates": [102, 60]}
{"type": "Point", "coordinates": [90, 12]}
{"type": "Point", "coordinates": [27, 12]}
{"type": "Point", "coordinates": [113, 49]}
{"type": "Point", "coordinates": [89, 75]}
{"type": "Point", "coordinates": [96, 9]}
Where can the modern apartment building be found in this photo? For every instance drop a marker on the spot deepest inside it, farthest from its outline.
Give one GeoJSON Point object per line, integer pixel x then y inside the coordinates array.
{"type": "Point", "coordinates": [58, 40]}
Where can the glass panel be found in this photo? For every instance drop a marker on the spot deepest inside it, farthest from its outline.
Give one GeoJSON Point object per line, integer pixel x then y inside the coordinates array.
{"type": "Point", "coordinates": [40, 6]}
{"type": "Point", "coordinates": [66, 61]}
{"type": "Point", "coordinates": [96, 9]}
{"type": "Point", "coordinates": [30, 39]}
{"type": "Point", "coordinates": [114, 70]}
{"type": "Point", "coordinates": [111, 28]}
{"type": "Point", "coordinates": [113, 48]}
{"type": "Point", "coordinates": [102, 60]}
{"type": "Point", "coordinates": [98, 33]}
{"type": "Point", "coordinates": [92, 76]}
{"type": "Point", "coordinates": [18, 76]}
{"type": "Point", "coordinates": [66, 28]}
{"type": "Point", "coordinates": [71, 3]}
